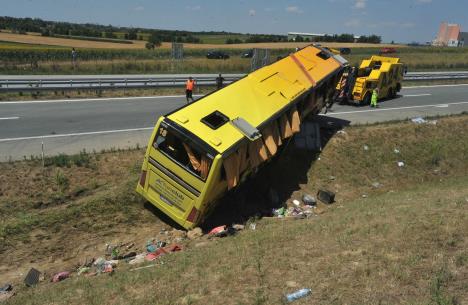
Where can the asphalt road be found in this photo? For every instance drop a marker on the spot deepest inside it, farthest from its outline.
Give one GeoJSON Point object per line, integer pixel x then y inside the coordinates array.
{"type": "Point", "coordinates": [94, 124]}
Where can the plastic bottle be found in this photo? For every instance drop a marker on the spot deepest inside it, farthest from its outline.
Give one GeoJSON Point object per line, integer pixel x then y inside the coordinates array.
{"type": "Point", "coordinates": [298, 294]}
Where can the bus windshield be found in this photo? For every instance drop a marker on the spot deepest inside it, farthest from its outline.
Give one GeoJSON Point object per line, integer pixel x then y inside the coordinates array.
{"type": "Point", "coordinates": [183, 152]}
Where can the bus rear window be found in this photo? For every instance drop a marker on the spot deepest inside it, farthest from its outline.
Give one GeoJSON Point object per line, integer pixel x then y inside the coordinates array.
{"type": "Point", "coordinates": [185, 154]}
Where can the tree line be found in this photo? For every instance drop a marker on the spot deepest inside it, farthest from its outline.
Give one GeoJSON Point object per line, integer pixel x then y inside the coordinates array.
{"type": "Point", "coordinates": [340, 38]}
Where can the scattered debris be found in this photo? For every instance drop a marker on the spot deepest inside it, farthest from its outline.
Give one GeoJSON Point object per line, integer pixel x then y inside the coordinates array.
{"type": "Point", "coordinates": [218, 230]}
{"type": "Point", "coordinates": [194, 234]}
{"type": "Point", "coordinates": [32, 278]}
{"type": "Point", "coordinates": [279, 212]}
{"type": "Point", "coordinates": [60, 276]}
{"type": "Point", "coordinates": [341, 132]}
{"type": "Point", "coordinates": [418, 120]}
{"type": "Point", "coordinates": [104, 266]}
{"type": "Point", "coordinates": [400, 164]}
{"type": "Point", "coordinates": [84, 270]}
{"type": "Point", "coordinates": [309, 200]}
{"type": "Point", "coordinates": [365, 147]}
{"type": "Point", "coordinates": [163, 251]}
{"type": "Point", "coordinates": [332, 178]}
{"type": "Point", "coordinates": [376, 185]}
{"type": "Point", "coordinates": [296, 202]}
{"type": "Point", "coordinates": [253, 226]}
{"type": "Point", "coordinates": [238, 227]}
{"type": "Point", "coordinates": [144, 267]}
{"type": "Point", "coordinates": [298, 294]}
{"type": "Point", "coordinates": [364, 196]}
{"type": "Point", "coordinates": [326, 196]}
{"type": "Point", "coordinates": [6, 288]}
{"type": "Point", "coordinates": [139, 258]}
{"type": "Point", "coordinates": [396, 151]}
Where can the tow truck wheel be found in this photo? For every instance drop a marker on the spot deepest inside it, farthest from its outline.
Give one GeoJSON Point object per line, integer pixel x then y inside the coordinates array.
{"type": "Point", "coordinates": [367, 99]}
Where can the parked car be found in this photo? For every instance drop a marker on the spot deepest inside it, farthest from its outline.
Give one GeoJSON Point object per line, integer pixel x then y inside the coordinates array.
{"type": "Point", "coordinates": [388, 51]}
{"type": "Point", "coordinates": [247, 54]}
{"type": "Point", "coordinates": [345, 51]}
{"type": "Point", "coordinates": [217, 55]}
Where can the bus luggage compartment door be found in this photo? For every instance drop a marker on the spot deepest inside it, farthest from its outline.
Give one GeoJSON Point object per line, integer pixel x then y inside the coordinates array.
{"type": "Point", "coordinates": [170, 197]}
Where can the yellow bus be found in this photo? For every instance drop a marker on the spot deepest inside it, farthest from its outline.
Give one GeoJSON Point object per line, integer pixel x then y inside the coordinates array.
{"type": "Point", "coordinates": [202, 150]}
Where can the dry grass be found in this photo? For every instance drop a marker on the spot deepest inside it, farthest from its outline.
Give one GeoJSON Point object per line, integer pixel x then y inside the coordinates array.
{"type": "Point", "coordinates": [403, 244]}
{"type": "Point", "coordinates": [138, 44]}
{"type": "Point", "coordinates": [72, 43]}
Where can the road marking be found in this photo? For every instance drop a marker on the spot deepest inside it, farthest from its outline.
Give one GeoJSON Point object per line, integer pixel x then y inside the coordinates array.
{"type": "Point", "coordinates": [10, 118]}
{"type": "Point", "coordinates": [98, 99]}
{"type": "Point", "coordinates": [75, 134]}
{"type": "Point", "coordinates": [396, 108]}
{"type": "Point", "coordinates": [435, 86]}
{"type": "Point", "coordinates": [415, 95]}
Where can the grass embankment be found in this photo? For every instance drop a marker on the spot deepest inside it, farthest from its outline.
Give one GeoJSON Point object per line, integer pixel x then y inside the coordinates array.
{"type": "Point", "coordinates": [405, 243]}
{"type": "Point", "coordinates": [83, 94]}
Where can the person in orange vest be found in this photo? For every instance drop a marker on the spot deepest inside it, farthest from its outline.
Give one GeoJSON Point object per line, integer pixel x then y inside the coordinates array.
{"type": "Point", "coordinates": [189, 86]}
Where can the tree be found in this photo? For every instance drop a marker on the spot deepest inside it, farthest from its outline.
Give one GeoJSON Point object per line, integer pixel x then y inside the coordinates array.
{"type": "Point", "coordinates": [299, 39]}
{"type": "Point", "coordinates": [155, 40]}
{"type": "Point", "coordinates": [149, 46]}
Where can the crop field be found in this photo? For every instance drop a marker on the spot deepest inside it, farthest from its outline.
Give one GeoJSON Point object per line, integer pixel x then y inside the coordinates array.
{"type": "Point", "coordinates": [33, 54]}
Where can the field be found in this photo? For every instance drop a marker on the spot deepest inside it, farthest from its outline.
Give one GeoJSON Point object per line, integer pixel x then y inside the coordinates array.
{"type": "Point", "coordinates": [394, 236]}
{"type": "Point", "coordinates": [33, 54]}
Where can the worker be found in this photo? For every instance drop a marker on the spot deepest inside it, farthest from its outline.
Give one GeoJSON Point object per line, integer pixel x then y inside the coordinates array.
{"type": "Point", "coordinates": [189, 86]}
{"type": "Point", "coordinates": [219, 81]}
{"type": "Point", "coordinates": [375, 97]}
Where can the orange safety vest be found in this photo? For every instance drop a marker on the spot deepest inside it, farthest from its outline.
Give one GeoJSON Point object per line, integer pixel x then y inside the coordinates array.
{"type": "Point", "coordinates": [190, 84]}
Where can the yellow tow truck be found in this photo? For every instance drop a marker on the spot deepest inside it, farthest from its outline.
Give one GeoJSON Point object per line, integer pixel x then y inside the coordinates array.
{"type": "Point", "coordinates": [378, 72]}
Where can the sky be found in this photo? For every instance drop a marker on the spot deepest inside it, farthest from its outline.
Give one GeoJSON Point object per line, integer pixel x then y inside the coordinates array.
{"type": "Point", "coordinates": [397, 20]}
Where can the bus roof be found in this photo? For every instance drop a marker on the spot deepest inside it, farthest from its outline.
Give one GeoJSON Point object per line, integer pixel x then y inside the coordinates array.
{"type": "Point", "coordinates": [257, 97]}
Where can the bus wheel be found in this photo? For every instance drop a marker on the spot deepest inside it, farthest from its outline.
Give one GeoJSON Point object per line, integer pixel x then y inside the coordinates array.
{"type": "Point", "coordinates": [398, 87]}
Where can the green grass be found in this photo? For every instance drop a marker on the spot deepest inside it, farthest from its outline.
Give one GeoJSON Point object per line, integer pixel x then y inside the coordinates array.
{"type": "Point", "coordinates": [390, 249]}
{"type": "Point", "coordinates": [403, 244]}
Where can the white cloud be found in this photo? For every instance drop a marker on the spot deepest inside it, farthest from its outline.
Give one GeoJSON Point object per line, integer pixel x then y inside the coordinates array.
{"type": "Point", "coordinates": [360, 4]}
{"type": "Point", "coordinates": [252, 12]}
{"type": "Point", "coordinates": [293, 9]}
{"type": "Point", "coordinates": [193, 8]}
{"type": "Point", "coordinates": [139, 8]}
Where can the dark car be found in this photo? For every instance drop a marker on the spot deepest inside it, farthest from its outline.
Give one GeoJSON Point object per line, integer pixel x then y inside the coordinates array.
{"type": "Point", "coordinates": [388, 51]}
{"type": "Point", "coordinates": [217, 55]}
{"type": "Point", "coordinates": [247, 54]}
{"type": "Point", "coordinates": [345, 51]}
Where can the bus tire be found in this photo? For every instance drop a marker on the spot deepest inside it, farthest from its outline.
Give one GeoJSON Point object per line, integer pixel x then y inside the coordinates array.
{"type": "Point", "coordinates": [398, 87]}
